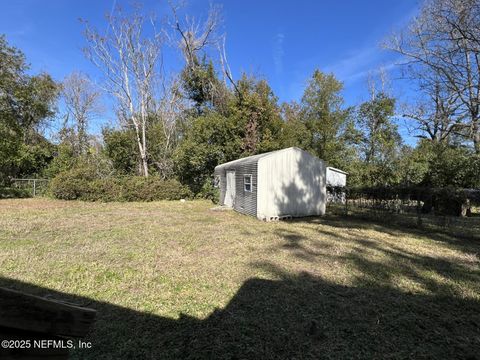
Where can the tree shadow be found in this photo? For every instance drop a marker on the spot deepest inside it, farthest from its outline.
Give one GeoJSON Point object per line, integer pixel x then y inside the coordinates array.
{"type": "Point", "coordinates": [297, 316]}
{"type": "Point", "coordinates": [462, 243]}
{"type": "Point", "coordinates": [295, 198]}
{"type": "Point", "coordinates": [384, 263]}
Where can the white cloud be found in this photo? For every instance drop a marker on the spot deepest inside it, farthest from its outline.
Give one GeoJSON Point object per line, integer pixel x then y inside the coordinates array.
{"type": "Point", "coordinates": [278, 53]}
{"type": "Point", "coordinates": [358, 64]}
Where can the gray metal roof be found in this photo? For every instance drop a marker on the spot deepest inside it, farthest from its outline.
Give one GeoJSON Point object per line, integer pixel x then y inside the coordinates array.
{"type": "Point", "coordinates": [253, 158]}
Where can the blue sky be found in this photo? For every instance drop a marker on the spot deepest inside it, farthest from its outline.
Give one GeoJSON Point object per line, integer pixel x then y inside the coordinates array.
{"type": "Point", "coordinates": [282, 41]}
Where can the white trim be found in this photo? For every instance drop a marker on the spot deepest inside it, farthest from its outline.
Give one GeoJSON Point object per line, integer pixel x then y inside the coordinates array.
{"type": "Point", "coordinates": [337, 170]}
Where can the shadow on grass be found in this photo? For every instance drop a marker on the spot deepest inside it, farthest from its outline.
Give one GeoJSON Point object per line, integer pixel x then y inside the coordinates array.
{"type": "Point", "coordinates": [463, 243]}
{"type": "Point", "coordinates": [384, 263]}
{"type": "Point", "coordinates": [299, 316]}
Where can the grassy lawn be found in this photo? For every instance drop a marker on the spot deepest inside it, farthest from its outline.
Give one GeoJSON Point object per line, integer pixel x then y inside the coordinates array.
{"type": "Point", "coordinates": [177, 280]}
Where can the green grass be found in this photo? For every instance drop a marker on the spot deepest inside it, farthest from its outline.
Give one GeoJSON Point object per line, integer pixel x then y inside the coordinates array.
{"type": "Point", "coordinates": [177, 280]}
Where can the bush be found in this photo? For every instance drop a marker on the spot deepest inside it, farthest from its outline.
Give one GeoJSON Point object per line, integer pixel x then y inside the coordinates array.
{"type": "Point", "coordinates": [449, 201]}
{"type": "Point", "coordinates": [208, 191]}
{"type": "Point", "coordinates": [153, 188]}
{"type": "Point", "coordinates": [72, 184]}
{"type": "Point", "coordinates": [10, 193]}
{"type": "Point", "coordinates": [81, 185]}
{"type": "Point", "coordinates": [108, 189]}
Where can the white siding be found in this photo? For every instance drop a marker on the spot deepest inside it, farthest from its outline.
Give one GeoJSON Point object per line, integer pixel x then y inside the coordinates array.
{"type": "Point", "coordinates": [336, 177]}
{"type": "Point", "coordinates": [291, 183]}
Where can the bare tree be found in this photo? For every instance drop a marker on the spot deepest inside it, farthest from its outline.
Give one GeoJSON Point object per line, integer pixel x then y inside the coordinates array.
{"type": "Point", "coordinates": [443, 42]}
{"type": "Point", "coordinates": [82, 102]}
{"type": "Point", "coordinates": [131, 63]}
{"type": "Point", "coordinates": [196, 37]}
{"type": "Point", "coordinates": [437, 114]}
{"type": "Point", "coordinates": [170, 111]}
{"type": "Point", "coordinates": [226, 71]}
{"type": "Point", "coordinates": [378, 82]}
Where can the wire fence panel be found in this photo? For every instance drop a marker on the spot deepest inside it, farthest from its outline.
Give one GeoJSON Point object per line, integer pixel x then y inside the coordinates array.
{"type": "Point", "coordinates": [410, 216]}
{"type": "Point", "coordinates": [36, 187]}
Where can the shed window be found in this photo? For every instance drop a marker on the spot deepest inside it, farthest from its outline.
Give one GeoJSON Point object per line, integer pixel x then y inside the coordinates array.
{"type": "Point", "coordinates": [247, 183]}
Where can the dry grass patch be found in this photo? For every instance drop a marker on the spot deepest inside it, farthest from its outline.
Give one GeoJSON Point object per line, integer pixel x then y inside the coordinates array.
{"type": "Point", "coordinates": [175, 279]}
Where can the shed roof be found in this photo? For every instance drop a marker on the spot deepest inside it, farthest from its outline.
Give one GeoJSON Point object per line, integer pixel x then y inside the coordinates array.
{"type": "Point", "coordinates": [254, 158]}
{"type": "Point", "coordinates": [337, 170]}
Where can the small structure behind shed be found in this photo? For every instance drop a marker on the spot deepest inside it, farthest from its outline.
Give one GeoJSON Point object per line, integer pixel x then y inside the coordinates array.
{"type": "Point", "coordinates": [279, 184]}
{"type": "Point", "coordinates": [336, 183]}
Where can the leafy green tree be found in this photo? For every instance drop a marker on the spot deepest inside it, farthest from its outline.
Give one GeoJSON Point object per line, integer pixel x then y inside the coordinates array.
{"type": "Point", "coordinates": [201, 85]}
{"type": "Point", "coordinates": [211, 140]}
{"type": "Point", "coordinates": [121, 148]}
{"type": "Point", "coordinates": [25, 102]}
{"type": "Point", "coordinates": [32, 159]}
{"type": "Point", "coordinates": [257, 113]}
{"type": "Point", "coordinates": [248, 123]}
{"type": "Point", "coordinates": [453, 166]}
{"type": "Point", "coordinates": [414, 163]}
{"type": "Point", "coordinates": [380, 140]}
{"type": "Point", "coordinates": [439, 164]}
{"type": "Point", "coordinates": [294, 131]}
{"type": "Point", "coordinates": [64, 159]}
{"type": "Point", "coordinates": [380, 135]}
{"type": "Point", "coordinates": [328, 123]}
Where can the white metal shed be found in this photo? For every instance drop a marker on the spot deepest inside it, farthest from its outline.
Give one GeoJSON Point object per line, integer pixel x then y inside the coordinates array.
{"type": "Point", "coordinates": [274, 185]}
{"type": "Point", "coordinates": [336, 177]}
{"type": "Point", "coordinates": [336, 183]}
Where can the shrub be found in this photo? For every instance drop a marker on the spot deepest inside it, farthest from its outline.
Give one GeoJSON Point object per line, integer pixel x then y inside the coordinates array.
{"type": "Point", "coordinates": [10, 193]}
{"type": "Point", "coordinates": [170, 190]}
{"type": "Point", "coordinates": [449, 201]}
{"type": "Point", "coordinates": [208, 191]}
{"type": "Point", "coordinates": [72, 184]}
{"type": "Point", "coordinates": [154, 188]}
{"type": "Point", "coordinates": [82, 185]}
{"type": "Point", "coordinates": [108, 189]}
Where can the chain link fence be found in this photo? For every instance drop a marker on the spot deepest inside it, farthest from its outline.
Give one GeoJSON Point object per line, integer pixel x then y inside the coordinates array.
{"type": "Point", "coordinates": [35, 187]}
{"type": "Point", "coordinates": [408, 211]}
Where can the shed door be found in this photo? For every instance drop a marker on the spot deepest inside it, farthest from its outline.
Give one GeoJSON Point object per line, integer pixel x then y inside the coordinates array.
{"type": "Point", "coordinates": [230, 191]}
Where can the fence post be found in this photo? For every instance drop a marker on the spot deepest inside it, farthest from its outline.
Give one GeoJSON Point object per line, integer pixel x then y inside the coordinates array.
{"type": "Point", "coordinates": [25, 184]}
{"type": "Point", "coordinates": [346, 203]}
{"type": "Point", "coordinates": [419, 213]}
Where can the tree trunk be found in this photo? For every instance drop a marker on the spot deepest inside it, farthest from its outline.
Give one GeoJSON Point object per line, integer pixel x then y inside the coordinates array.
{"type": "Point", "coordinates": [476, 138]}
{"type": "Point", "coordinates": [143, 156]}
{"type": "Point", "coordinates": [145, 166]}
{"type": "Point", "coordinates": [144, 144]}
